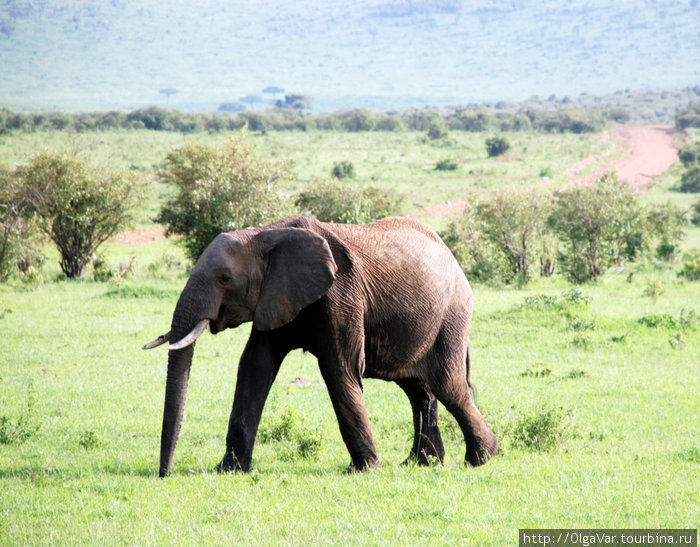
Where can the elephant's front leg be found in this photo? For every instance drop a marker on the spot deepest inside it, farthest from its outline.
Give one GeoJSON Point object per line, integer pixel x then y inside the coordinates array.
{"type": "Point", "coordinates": [342, 372]}
{"type": "Point", "coordinates": [257, 370]}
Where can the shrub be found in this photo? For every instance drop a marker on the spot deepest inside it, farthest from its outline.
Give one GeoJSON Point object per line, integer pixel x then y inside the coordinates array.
{"type": "Point", "coordinates": [220, 190]}
{"type": "Point", "coordinates": [447, 164]}
{"type": "Point", "coordinates": [479, 258]}
{"type": "Point", "coordinates": [665, 224]}
{"type": "Point", "coordinates": [78, 207]}
{"type": "Point", "coordinates": [599, 226]}
{"type": "Point", "coordinates": [343, 170]}
{"type": "Point", "coordinates": [336, 201]}
{"type": "Point", "coordinates": [695, 218]}
{"type": "Point", "coordinates": [498, 239]}
{"type": "Point", "coordinates": [357, 119]}
{"type": "Point", "coordinates": [690, 154]}
{"type": "Point", "coordinates": [88, 439]}
{"type": "Point", "coordinates": [497, 146]}
{"type": "Point", "coordinates": [290, 431]}
{"type": "Point", "coordinates": [689, 116]}
{"type": "Point", "coordinates": [691, 269]}
{"type": "Point", "coordinates": [103, 271]}
{"type": "Point", "coordinates": [541, 431]}
{"type": "Point", "coordinates": [22, 429]}
{"type": "Point", "coordinates": [15, 228]}
{"type": "Point", "coordinates": [437, 130]}
{"type": "Point", "coordinates": [466, 120]}
{"type": "Point", "coordinates": [690, 180]}
{"type": "Point", "coordinates": [513, 222]}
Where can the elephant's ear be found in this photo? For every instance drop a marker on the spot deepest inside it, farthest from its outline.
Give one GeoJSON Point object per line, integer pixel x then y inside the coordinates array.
{"type": "Point", "coordinates": [300, 269]}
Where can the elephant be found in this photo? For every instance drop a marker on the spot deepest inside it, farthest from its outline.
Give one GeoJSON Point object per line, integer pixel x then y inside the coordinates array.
{"type": "Point", "coordinates": [383, 300]}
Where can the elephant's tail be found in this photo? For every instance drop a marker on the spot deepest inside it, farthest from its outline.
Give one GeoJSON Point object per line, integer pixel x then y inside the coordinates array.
{"type": "Point", "coordinates": [470, 383]}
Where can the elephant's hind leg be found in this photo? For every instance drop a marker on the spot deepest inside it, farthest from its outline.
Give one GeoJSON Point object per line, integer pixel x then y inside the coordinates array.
{"type": "Point", "coordinates": [450, 385]}
{"type": "Point", "coordinates": [427, 447]}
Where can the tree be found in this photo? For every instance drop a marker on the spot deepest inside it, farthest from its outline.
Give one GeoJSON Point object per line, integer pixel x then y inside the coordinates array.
{"type": "Point", "coordinates": [437, 131]}
{"type": "Point", "coordinates": [600, 225]}
{"type": "Point", "coordinates": [497, 146]}
{"type": "Point", "coordinates": [513, 221]}
{"type": "Point", "coordinates": [478, 257]}
{"type": "Point", "coordinates": [251, 99]}
{"type": "Point", "coordinates": [168, 91]}
{"type": "Point", "coordinates": [498, 239]}
{"type": "Point", "coordinates": [273, 90]}
{"type": "Point", "coordinates": [220, 190]}
{"type": "Point", "coordinates": [77, 206]}
{"type": "Point", "coordinates": [295, 101]}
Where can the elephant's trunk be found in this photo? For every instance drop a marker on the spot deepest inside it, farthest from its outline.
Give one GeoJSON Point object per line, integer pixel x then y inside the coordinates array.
{"type": "Point", "coordinates": [179, 362]}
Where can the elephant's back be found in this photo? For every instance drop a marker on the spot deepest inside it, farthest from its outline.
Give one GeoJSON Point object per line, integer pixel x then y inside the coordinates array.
{"type": "Point", "coordinates": [411, 287]}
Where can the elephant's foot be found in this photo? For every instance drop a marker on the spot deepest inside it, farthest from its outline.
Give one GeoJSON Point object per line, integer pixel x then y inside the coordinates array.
{"type": "Point", "coordinates": [361, 466]}
{"type": "Point", "coordinates": [482, 450]}
{"type": "Point", "coordinates": [427, 450]}
{"type": "Point", "coordinates": [424, 458]}
{"type": "Point", "coordinates": [230, 463]}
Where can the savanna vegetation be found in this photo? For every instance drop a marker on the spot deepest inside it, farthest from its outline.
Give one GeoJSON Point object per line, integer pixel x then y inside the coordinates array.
{"type": "Point", "coordinates": [584, 341]}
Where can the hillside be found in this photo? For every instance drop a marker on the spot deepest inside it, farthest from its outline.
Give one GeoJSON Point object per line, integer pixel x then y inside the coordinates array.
{"type": "Point", "coordinates": [83, 55]}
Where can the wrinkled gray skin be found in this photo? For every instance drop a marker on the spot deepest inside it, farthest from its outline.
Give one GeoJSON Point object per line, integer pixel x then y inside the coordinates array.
{"type": "Point", "coordinates": [385, 300]}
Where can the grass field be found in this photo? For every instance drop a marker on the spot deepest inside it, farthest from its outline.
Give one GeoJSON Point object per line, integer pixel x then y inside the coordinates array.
{"type": "Point", "coordinates": [608, 373]}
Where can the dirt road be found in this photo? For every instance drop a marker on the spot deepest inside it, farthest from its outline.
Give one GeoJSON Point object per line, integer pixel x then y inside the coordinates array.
{"type": "Point", "coordinates": [650, 151]}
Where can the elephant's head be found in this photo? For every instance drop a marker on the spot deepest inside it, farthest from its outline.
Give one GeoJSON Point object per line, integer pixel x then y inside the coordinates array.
{"type": "Point", "coordinates": [262, 275]}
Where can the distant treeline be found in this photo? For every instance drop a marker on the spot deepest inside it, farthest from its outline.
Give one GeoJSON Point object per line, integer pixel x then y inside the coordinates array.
{"type": "Point", "coordinates": [572, 120]}
{"type": "Point", "coordinates": [280, 119]}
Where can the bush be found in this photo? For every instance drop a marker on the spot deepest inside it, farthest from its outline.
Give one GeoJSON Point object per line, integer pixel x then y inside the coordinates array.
{"type": "Point", "coordinates": [690, 180]}
{"type": "Point", "coordinates": [291, 433]}
{"type": "Point", "coordinates": [343, 170]}
{"type": "Point", "coordinates": [513, 222]}
{"type": "Point", "coordinates": [78, 207]}
{"type": "Point", "coordinates": [220, 190]}
{"type": "Point", "coordinates": [335, 201]}
{"type": "Point", "coordinates": [498, 239]}
{"type": "Point", "coordinates": [695, 218]}
{"type": "Point", "coordinates": [691, 269]}
{"type": "Point", "coordinates": [22, 428]}
{"type": "Point", "coordinates": [357, 119]}
{"type": "Point", "coordinates": [437, 130]}
{"type": "Point", "coordinates": [541, 431]}
{"type": "Point", "coordinates": [689, 116]}
{"type": "Point", "coordinates": [600, 225]}
{"type": "Point", "coordinates": [479, 258]}
{"type": "Point", "coordinates": [15, 228]}
{"type": "Point", "coordinates": [690, 154]}
{"type": "Point", "coordinates": [664, 224]}
{"type": "Point", "coordinates": [447, 164]}
{"type": "Point", "coordinates": [497, 146]}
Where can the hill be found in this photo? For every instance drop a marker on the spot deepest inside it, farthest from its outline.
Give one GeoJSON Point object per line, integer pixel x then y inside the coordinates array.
{"type": "Point", "coordinates": [83, 55]}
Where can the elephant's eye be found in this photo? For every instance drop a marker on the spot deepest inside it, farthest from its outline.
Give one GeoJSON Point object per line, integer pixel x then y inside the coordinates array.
{"type": "Point", "coordinates": [224, 280]}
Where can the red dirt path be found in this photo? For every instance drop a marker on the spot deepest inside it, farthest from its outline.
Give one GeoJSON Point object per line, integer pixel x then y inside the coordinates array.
{"type": "Point", "coordinates": [651, 150]}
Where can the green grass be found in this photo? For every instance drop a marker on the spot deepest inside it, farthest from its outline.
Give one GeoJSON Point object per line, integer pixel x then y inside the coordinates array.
{"type": "Point", "coordinates": [81, 403]}
{"type": "Point", "coordinates": [88, 474]}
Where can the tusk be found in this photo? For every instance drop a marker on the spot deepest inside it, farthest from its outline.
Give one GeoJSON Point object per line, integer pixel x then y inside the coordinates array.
{"type": "Point", "coordinates": [192, 336]}
{"type": "Point", "coordinates": [162, 339]}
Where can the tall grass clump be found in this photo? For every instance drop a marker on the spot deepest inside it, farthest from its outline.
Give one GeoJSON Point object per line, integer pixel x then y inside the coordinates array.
{"type": "Point", "coordinates": [22, 428]}
{"type": "Point", "coordinates": [542, 430]}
